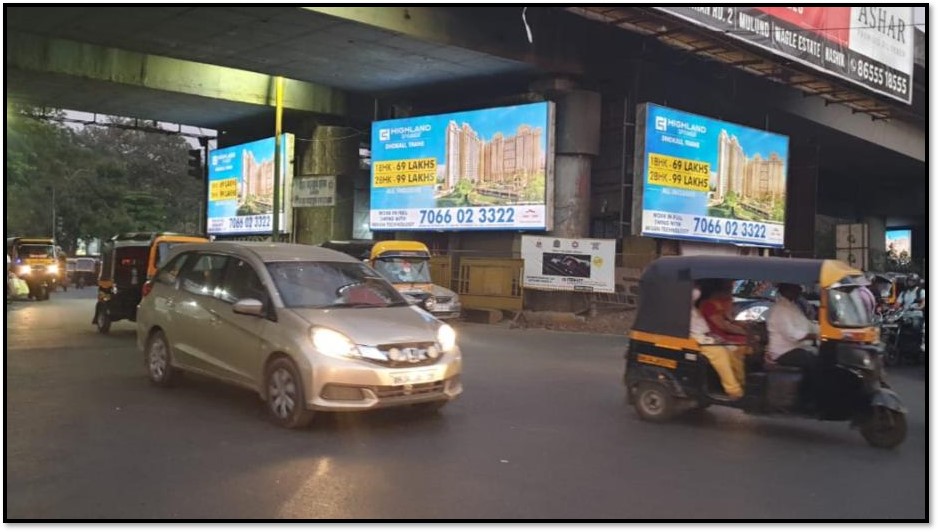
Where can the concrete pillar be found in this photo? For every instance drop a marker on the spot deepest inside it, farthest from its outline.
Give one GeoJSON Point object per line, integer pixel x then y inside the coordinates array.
{"type": "Point", "coordinates": [327, 151]}
{"type": "Point", "coordinates": [876, 232]}
{"type": "Point", "coordinates": [576, 142]}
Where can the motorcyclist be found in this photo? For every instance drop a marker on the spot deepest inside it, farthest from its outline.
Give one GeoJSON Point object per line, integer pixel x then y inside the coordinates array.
{"type": "Point", "coordinates": [912, 301]}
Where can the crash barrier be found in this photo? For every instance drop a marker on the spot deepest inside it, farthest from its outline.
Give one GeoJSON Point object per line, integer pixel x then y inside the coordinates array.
{"type": "Point", "coordinates": [487, 283]}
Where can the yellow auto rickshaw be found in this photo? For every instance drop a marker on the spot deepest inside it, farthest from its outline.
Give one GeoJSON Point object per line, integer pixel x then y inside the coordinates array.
{"type": "Point", "coordinates": [665, 369]}
{"type": "Point", "coordinates": [128, 260]}
{"type": "Point", "coordinates": [36, 261]}
{"type": "Point", "coordinates": [406, 265]}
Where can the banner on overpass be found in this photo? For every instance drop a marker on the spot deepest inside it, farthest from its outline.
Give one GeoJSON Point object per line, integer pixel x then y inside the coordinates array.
{"type": "Point", "coordinates": [870, 46]}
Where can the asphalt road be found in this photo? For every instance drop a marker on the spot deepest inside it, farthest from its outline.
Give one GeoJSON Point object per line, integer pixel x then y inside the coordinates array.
{"type": "Point", "coordinates": [541, 432]}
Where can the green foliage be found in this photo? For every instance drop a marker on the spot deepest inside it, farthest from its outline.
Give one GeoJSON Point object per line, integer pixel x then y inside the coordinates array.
{"type": "Point", "coordinates": [105, 180]}
{"type": "Point", "coordinates": [534, 191]}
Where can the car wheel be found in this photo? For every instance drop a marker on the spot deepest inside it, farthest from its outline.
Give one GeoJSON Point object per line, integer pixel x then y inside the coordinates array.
{"type": "Point", "coordinates": [430, 406]}
{"type": "Point", "coordinates": [653, 402]}
{"type": "Point", "coordinates": [103, 321]}
{"type": "Point", "coordinates": [285, 398]}
{"type": "Point", "coordinates": [159, 361]}
{"type": "Point", "coordinates": [884, 429]}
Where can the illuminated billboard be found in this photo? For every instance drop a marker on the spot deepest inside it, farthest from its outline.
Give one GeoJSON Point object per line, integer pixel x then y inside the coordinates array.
{"type": "Point", "coordinates": [474, 170]}
{"type": "Point", "coordinates": [872, 47]}
{"type": "Point", "coordinates": [899, 245]}
{"type": "Point", "coordinates": [698, 178]}
{"type": "Point", "coordinates": [241, 187]}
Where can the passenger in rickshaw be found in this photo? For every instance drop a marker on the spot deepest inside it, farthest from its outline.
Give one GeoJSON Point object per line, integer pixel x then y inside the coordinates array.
{"type": "Point", "coordinates": [790, 334]}
{"type": "Point", "coordinates": [716, 306]}
{"type": "Point", "coordinates": [728, 365]}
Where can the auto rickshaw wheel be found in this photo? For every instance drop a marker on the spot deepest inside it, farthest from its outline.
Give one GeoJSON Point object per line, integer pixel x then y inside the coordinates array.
{"type": "Point", "coordinates": [103, 321]}
{"type": "Point", "coordinates": [885, 428]}
{"type": "Point", "coordinates": [653, 402]}
{"type": "Point", "coordinates": [892, 356]}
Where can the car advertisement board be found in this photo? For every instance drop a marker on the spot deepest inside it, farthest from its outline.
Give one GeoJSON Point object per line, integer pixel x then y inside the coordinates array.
{"type": "Point", "coordinates": [870, 46]}
{"type": "Point", "coordinates": [709, 180]}
{"type": "Point", "coordinates": [575, 265]}
{"type": "Point", "coordinates": [474, 170]}
{"type": "Point", "coordinates": [241, 187]}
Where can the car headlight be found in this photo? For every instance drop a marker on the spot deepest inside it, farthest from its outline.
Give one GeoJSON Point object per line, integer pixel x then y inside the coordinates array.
{"type": "Point", "coordinates": [53, 269]}
{"type": "Point", "coordinates": [333, 343]}
{"type": "Point", "coordinates": [446, 336]}
{"type": "Point", "coordinates": [25, 269]}
{"type": "Point", "coordinates": [429, 303]}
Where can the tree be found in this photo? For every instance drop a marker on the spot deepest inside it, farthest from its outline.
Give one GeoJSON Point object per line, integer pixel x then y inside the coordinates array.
{"type": "Point", "coordinates": [105, 180]}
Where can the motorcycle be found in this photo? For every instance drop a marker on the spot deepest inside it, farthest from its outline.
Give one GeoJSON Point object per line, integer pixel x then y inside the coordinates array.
{"type": "Point", "coordinates": [903, 341]}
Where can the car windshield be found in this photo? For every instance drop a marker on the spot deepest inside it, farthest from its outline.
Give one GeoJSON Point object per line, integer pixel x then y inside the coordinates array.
{"type": "Point", "coordinates": [332, 285]}
{"type": "Point", "coordinates": [847, 308]}
{"type": "Point", "coordinates": [755, 289]}
{"type": "Point", "coordinates": [404, 270]}
{"type": "Point", "coordinates": [35, 251]}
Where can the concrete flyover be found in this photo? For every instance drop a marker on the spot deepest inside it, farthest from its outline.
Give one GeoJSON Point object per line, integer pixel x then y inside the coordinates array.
{"type": "Point", "coordinates": [44, 70]}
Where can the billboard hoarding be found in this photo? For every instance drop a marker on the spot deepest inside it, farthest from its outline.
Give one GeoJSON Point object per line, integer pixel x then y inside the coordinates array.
{"type": "Point", "coordinates": [899, 245]}
{"type": "Point", "coordinates": [241, 187]}
{"type": "Point", "coordinates": [564, 264]}
{"type": "Point", "coordinates": [872, 47]}
{"type": "Point", "coordinates": [487, 169]}
{"type": "Point", "coordinates": [703, 179]}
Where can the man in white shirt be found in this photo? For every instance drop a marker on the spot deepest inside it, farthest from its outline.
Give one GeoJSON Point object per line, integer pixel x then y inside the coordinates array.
{"type": "Point", "coordinates": [790, 332]}
{"type": "Point", "coordinates": [728, 365]}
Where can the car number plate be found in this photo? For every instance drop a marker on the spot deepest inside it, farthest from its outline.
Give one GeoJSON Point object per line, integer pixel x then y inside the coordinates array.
{"type": "Point", "coordinates": [415, 377]}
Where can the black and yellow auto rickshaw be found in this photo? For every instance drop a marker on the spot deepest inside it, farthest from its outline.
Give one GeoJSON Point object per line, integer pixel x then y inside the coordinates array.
{"type": "Point", "coordinates": [665, 368]}
{"type": "Point", "coordinates": [128, 260]}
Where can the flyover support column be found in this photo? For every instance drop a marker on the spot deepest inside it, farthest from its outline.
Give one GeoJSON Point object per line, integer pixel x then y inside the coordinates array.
{"type": "Point", "coordinates": [327, 151]}
{"type": "Point", "coordinates": [577, 130]}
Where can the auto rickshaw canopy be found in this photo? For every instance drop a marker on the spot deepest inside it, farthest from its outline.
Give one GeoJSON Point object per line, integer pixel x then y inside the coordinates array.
{"type": "Point", "coordinates": [666, 285]}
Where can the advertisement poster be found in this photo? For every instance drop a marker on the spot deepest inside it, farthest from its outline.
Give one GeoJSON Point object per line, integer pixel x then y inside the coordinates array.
{"type": "Point", "coordinates": [709, 180]}
{"type": "Point", "coordinates": [899, 245]}
{"type": "Point", "coordinates": [474, 170]}
{"type": "Point", "coordinates": [241, 187]}
{"type": "Point", "coordinates": [870, 46]}
{"type": "Point", "coordinates": [575, 265]}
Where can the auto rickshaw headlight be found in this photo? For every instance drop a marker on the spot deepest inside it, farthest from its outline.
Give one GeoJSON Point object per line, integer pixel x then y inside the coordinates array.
{"type": "Point", "coordinates": [52, 269]}
{"type": "Point", "coordinates": [114, 289]}
{"type": "Point", "coordinates": [25, 269]}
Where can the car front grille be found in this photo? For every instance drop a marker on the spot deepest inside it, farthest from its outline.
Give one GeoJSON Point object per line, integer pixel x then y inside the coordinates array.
{"type": "Point", "coordinates": [409, 390]}
{"type": "Point", "coordinates": [444, 299]}
{"type": "Point", "coordinates": [421, 357]}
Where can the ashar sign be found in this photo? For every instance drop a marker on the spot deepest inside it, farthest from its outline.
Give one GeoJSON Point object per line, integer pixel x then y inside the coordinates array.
{"type": "Point", "coordinates": [709, 180]}
{"type": "Point", "coordinates": [575, 265]}
{"type": "Point", "coordinates": [241, 187]}
{"type": "Point", "coordinates": [870, 46]}
{"type": "Point", "coordinates": [484, 169]}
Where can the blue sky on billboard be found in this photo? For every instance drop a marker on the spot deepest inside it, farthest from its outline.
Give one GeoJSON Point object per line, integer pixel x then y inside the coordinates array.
{"type": "Point", "coordinates": [505, 120]}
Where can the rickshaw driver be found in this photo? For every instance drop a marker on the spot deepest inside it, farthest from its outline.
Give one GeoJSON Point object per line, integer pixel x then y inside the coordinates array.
{"type": "Point", "coordinates": [788, 330]}
{"type": "Point", "coordinates": [729, 366]}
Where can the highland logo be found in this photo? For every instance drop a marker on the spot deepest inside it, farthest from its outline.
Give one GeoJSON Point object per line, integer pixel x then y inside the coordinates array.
{"type": "Point", "coordinates": [384, 134]}
{"type": "Point", "coordinates": [661, 123]}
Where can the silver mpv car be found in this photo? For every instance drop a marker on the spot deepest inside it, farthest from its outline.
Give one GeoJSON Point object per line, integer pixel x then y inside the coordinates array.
{"type": "Point", "coordinates": [307, 328]}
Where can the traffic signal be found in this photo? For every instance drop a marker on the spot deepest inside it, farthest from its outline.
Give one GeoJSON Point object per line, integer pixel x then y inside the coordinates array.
{"type": "Point", "coordinates": [195, 164]}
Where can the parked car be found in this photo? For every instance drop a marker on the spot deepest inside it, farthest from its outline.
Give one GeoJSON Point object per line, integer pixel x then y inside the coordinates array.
{"type": "Point", "coordinates": [307, 328]}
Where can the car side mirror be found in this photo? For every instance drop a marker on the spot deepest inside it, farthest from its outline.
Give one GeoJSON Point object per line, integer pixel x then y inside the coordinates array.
{"type": "Point", "coordinates": [250, 307]}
